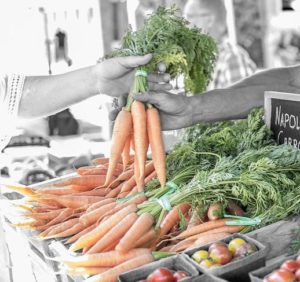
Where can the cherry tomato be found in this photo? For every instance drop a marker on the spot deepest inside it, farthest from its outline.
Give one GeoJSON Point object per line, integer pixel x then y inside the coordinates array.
{"type": "Point", "coordinates": [280, 275]}
{"type": "Point", "coordinates": [297, 274]}
{"type": "Point", "coordinates": [161, 275]}
{"type": "Point", "coordinates": [290, 265]}
{"type": "Point", "coordinates": [221, 255]}
{"type": "Point", "coordinates": [178, 275]}
{"type": "Point", "coordinates": [217, 244]}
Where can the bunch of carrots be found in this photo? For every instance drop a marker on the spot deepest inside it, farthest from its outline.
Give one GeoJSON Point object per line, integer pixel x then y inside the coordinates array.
{"type": "Point", "coordinates": [136, 127]}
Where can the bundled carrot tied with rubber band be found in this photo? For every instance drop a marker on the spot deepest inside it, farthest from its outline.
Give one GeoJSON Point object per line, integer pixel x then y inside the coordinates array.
{"type": "Point", "coordinates": [185, 51]}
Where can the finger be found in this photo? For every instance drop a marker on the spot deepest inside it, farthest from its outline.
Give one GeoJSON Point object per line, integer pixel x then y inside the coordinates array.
{"type": "Point", "coordinates": [159, 87]}
{"type": "Point", "coordinates": [134, 61]}
{"type": "Point", "coordinates": [122, 101]}
{"type": "Point", "coordinates": [161, 67]}
{"type": "Point", "coordinates": [159, 77]}
{"type": "Point", "coordinates": [146, 97]}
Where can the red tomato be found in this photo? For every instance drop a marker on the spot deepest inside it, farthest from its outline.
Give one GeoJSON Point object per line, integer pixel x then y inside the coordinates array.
{"type": "Point", "coordinates": [297, 274]}
{"type": "Point", "coordinates": [178, 275]}
{"type": "Point", "coordinates": [161, 275]}
{"type": "Point", "coordinates": [290, 265]}
{"type": "Point", "coordinates": [298, 259]}
{"type": "Point", "coordinates": [280, 275]}
{"type": "Point", "coordinates": [221, 255]}
{"type": "Point", "coordinates": [217, 244]}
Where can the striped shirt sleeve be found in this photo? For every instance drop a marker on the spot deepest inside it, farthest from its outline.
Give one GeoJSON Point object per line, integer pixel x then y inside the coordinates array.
{"type": "Point", "coordinates": [233, 65]}
{"type": "Point", "coordinates": [11, 88]}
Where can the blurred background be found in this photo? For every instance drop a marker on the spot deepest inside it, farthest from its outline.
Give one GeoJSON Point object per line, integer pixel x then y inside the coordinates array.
{"type": "Point", "coordinates": [43, 37]}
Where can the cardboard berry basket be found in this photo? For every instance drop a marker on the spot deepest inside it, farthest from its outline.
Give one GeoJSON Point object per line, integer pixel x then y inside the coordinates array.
{"type": "Point", "coordinates": [175, 263]}
{"type": "Point", "coordinates": [238, 270]}
{"type": "Point", "coordinates": [259, 274]}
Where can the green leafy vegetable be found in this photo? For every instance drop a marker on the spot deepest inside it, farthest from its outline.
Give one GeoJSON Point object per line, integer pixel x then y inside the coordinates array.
{"type": "Point", "coordinates": [185, 50]}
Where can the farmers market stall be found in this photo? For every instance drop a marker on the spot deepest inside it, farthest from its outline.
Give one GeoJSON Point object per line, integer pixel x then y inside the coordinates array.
{"type": "Point", "coordinates": [219, 207]}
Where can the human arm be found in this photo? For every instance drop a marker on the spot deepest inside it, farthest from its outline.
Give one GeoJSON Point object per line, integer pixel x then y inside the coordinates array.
{"type": "Point", "coordinates": [235, 102]}
{"type": "Point", "coordinates": [45, 95]}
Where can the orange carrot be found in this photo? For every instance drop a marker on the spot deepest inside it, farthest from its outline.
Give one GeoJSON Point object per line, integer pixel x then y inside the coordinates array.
{"type": "Point", "coordinates": [94, 192]}
{"type": "Point", "coordinates": [76, 228]}
{"type": "Point", "coordinates": [100, 204]}
{"type": "Point", "coordinates": [117, 232]}
{"type": "Point", "coordinates": [137, 230]}
{"type": "Point", "coordinates": [56, 191]}
{"type": "Point", "coordinates": [126, 152]}
{"type": "Point", "coordinates": [182, 245]}
{"type": "Point", "coordinates": [27, 191]}
{"type": "Point", "coordinates": [202, 228]}
{"type": "Point", "coordinates": [107, 259]}
{"type": "Point", "coordinates": [152, 175]}
{"type": "Point", "coordinates": [147, 238]}
{"type": "Point", "coordinates": [93, 236]}
{"type": "Point", "coordinates": [114, 192]}
{"type": "Point", "coordinates": [87, 181]}
{"type": "Point", "coordinates": [204, 240]}
{"type": "Point", "coordinates": [122, 195]}
{"type": "Point", "coordinates": [224, 229]}
{"type": "Point", "coordinates": [136, 201]}
{"type": "Point", "coordinates": [112, 274]}
{"type": "Point", "coordinates": [147, 180]}
{"type": "Point", "coordinates": [156, 144]}
{"type": "Point", "coordinates": [99, 161]}
{"type": "Point", "coordinates": [62, 216]}
{"type": "Point", "coordinates": [128, 185]}
{"type": "Point", "coordinates": [81, 233]}
{"type": "Point", "coordinates": [124, 176]}
{"type": "Point", "coordinates": [133, 191]}
{"type": "Point", "coordinates": [140, 139]}
{"type": "Point", "coordinates": [45, 215]}
{"type": "Point", "coordinates": [172, 218]}
{"type": "Point", "coordinates": [70, 201]}
{"type": "Point", "coordinates": [111, 246]}
{"type": "Point", "coordinates": [121, 131]}
{"type": "Point", "coordinates": [60, 227]}
{"type": "Point", "coordinates": [93, 216]}
{"type": "Point", "coordinates": [85, 169]}
{"type": "Point", "coordinates": [81, 271]}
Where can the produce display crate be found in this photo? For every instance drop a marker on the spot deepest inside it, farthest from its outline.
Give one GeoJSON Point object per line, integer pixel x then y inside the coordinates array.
{"type": "Point", "coordinates": [178, 262]}
{"type": "Point", "coordinates": [259, 274]}
{"type": "Point", "coordinates": [238, 270]}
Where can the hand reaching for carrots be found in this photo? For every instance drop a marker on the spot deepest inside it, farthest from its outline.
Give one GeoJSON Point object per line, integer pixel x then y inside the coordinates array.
{"type": "Point", "coordinates": [175, 111]}
{"type": "Point", "coordinates": [156, 81]}
{"type": "Point", "coordinates": [116, 75]}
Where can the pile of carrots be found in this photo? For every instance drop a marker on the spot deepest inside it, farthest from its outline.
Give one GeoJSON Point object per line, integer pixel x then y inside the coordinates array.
{"type": "Point", "coordinates": [112, 234]}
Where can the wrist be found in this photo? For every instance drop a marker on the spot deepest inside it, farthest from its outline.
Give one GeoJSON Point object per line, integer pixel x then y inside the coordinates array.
{"type": "Point", "coordinates": [194, 109]}
{"type": "Point", "coordinates": [96, 76]}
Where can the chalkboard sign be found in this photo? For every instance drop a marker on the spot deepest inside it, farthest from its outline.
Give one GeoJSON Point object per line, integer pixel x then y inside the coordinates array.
{"type": "Point", "coordinates": [282, 116]}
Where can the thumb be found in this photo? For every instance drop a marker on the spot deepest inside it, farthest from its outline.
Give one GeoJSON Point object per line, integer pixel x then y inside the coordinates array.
{"type": "Point", "coordinates": [135, 61]}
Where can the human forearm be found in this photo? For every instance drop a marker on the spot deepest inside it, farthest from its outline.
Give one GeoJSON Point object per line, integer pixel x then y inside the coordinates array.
{"type": "Point", "coordinates": [45, 95]}
{"type": "Point", "coordinates": [236, 101]}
